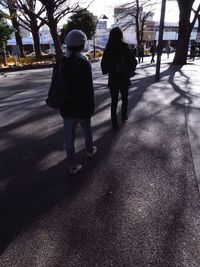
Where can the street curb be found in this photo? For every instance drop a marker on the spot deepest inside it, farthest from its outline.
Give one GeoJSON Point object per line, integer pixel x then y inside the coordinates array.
{"type": "Point", "coordinates": [27, 68]}
{"type": "Point", "coordinates": [32, 67]}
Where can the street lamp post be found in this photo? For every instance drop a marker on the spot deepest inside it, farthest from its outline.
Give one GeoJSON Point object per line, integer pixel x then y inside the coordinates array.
{"type": "Point", "coordinates": [160, 39]}
{"type": "Point", "coordinates": [94, 42]}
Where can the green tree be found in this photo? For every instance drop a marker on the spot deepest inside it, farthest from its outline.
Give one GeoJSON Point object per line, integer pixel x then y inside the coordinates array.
{"type": "Point", "coordinates": [5, 32]}
{"type": "Point", "coordinates": [82, 20]}
{"type": "Point", "coordinates": [10, 10]}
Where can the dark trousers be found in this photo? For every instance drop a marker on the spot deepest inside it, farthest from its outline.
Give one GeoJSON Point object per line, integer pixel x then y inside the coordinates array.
{"type": "Point", "coordinates": [140, 59]}
{"type": "Point", "coordinates": [152, 58]}
{"type": "Point", "coordinates": [114, 93]}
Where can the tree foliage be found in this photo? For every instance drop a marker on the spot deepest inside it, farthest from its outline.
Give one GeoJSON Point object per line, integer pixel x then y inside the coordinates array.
{"type": "Point", "coordinates": [58, 9]}
{"type": "Point", "coordinates": [28, 14]}
{"type": "Point", "coordinates": [5, 31]}
{"type": "Point", "coordinates": [28, 19]}
{"type": "Point", "coordinates": [10, 10]}
{"type": "Point", "coordinates": [82, 20]}
{"type": "Point", "coordinates": [55, 11]}
{"type": "Point", "coordinates": [135, 13]}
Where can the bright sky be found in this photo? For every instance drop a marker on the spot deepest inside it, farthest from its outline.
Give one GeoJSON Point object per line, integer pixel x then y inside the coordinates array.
{"type": "Point", "coordinates": [106, 7]}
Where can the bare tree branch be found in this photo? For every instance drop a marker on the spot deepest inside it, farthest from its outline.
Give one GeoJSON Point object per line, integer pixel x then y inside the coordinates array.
{"type": "Point", "coordinates": [135, 13]}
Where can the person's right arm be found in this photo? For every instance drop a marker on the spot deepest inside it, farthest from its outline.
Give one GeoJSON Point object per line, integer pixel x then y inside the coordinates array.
{"type": "Point", "coordinates": [105, 63]}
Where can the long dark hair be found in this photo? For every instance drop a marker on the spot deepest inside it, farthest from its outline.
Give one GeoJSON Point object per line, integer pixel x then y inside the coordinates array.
{"type": "Point", "coordinates": [115, 38]}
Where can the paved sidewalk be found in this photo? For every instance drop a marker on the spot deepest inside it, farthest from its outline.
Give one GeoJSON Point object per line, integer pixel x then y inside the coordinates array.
{"type": "Point", "coordinates": [186, 82]}
{"type": "Point", "coordinates": [136, 204]}
{"type": "Point", "coordinates": [192, 103]}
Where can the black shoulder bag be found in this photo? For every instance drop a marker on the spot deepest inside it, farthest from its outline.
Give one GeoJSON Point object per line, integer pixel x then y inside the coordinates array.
{"type": "Point", "coordinates": [58, 94]}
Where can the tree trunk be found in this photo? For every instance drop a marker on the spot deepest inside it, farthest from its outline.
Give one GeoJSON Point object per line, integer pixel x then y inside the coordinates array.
{"type": "Point", "coordinates": [198, 24]}
{"type": "Point", "coordinates": [54, 33]}
{"type": "Point", "coordinates": [36, 36]}
{"type": "Point", "coordinates": [184, 32]}
{"type": "Point", "coordinates": [15, 24]}
{"type": "Point", "coordinates": [137, 22]}
{"type": "Point", "coordinates": [19, 42]}
{"type": "Point", "coordinates": [18, 37]}
{"type": "Point", "coordinates": [142, 31]}
{"type": "Point", "coordinates": [36, 41]}
{"type": "Point", "coordinates": [4, 58]}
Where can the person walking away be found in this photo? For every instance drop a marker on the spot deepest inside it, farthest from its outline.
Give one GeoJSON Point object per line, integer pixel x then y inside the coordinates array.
{"type": "Point", "coordinates": [80, 107]}
{"type": "Point", "coordinates": [118, 63]}
{"type": "Point", "coordinates": [196, 51]}
{"type": "Point", "coordinates": [140, 52]}
{"type": "Point", "coordinates": [168, 50]}
{"type": "Point", "coordinates": [153, 51]}
{"type": "Point", "coordinates": [192, 51]}
{"type": "Point", "coordinates": [134, 51]}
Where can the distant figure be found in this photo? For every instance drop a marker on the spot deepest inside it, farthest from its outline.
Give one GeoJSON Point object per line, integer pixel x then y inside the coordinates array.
{"type": "Point", "coordinates": [196, 51]}
{"type": "Point", "coordinates": [80, 106]}
{"type": "Point", "coordinates": [140, 52]}
{"type": "Point", "coordinates": [153, 51]}
{"type": "Point", "coordinates": [192, 51]}
{"type": "Point", "coordinates": [168, 50]}
{"type": "Point", "coordinates": [119, 62]}
{"type": "Point", "coordinates": [134, 51]}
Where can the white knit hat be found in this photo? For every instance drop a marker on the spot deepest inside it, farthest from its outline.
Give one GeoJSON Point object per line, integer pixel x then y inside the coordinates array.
{"type": "Point", "coordinates": [75, 38]}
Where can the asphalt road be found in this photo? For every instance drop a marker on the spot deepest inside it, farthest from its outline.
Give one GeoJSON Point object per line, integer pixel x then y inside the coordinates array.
{"type": "Point", "coordinates": [135, 204]}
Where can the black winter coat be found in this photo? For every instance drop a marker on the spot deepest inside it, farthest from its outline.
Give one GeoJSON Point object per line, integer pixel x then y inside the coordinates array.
{"type": "Point", "coordinates": [109, 64]}
{"type": "Point", "coordinates": [78, 80]}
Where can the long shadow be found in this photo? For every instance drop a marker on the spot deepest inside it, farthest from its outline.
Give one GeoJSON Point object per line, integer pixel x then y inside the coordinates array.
{"type": "Point", "coordinates": [184, 97]}
{"type": "Point", "coordinates": [30, 190]}
{"type": "Point", "coordinates": [141, 85]}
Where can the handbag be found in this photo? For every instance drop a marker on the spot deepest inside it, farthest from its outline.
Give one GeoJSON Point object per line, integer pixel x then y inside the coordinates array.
{"type": "Point", "coordinates": [58, 94]}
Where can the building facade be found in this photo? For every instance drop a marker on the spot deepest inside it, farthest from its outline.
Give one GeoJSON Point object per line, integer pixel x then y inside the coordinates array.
{"type": "Point", "coordinates": [150, 31]}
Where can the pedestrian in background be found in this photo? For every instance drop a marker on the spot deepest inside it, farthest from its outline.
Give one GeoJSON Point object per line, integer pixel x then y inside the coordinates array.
{"type": "Point", "coordinates": [168, 50]}
{"type": "Point", "coordinates": [140, 52]}
{"type": "Point", "coordinates": [196, 51]}
{"type": "Point", "coordinates": [134, 51]}
{"type": "Point", "coordinates": [80, 107]}
{"type": "Point", "coordinates": [118, 62]}
{"type": "Point", "coordinates": [192, 51]}
{"type": "Point", "coordinates": [153, 51]}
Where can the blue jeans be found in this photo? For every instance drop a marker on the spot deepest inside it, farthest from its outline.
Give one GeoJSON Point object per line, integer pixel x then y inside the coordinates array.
{"type": "Point", "coordinates": [70, 125]}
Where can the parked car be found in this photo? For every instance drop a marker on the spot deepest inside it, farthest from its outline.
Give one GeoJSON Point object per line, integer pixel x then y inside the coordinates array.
{"type": "Point", "coordinates": [90, 53]}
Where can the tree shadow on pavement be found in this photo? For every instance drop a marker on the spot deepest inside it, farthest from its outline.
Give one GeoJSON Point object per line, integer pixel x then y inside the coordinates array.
{"type": "Point", "coordinates": [38, 180]}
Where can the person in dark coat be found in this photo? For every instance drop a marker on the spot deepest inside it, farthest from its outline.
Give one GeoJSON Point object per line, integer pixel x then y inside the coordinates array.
{"type": "Point", "coordinates": [153, 51]}
{"type": "Point", "coordinates": [168, 50]}
{"type": "Point", "coordinates": [192, 51]}
{"type": "Point", "coordinates": [80, 106]}
{"type": "Point", "coordinates": [118, 62]}
{"type": "Point", "coordinates": [140, 53]}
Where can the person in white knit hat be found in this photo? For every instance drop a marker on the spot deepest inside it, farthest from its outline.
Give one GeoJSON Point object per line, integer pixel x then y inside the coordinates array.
{"type": "Point", "coordinates": [80, 107]}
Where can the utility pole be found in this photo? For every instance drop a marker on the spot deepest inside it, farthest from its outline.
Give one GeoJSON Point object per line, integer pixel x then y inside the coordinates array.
{"type": "Point", "coordinates": [160, 39]}
{"type": "Point", "coordinates": [94, 36]}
